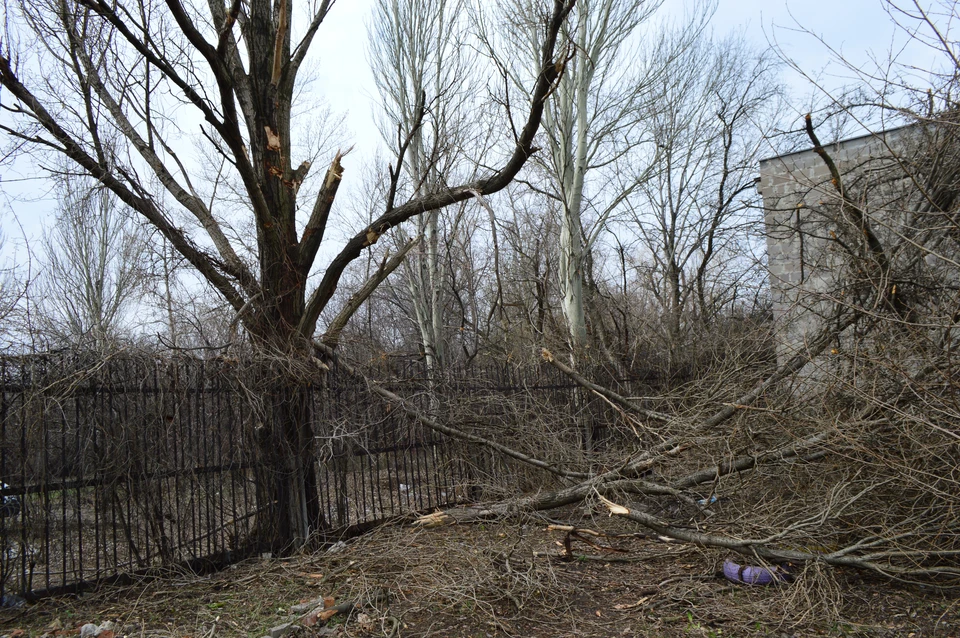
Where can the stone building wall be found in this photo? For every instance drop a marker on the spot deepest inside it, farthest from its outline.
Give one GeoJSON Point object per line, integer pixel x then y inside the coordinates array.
{"type": "Point", "coordinates": [801, 208]}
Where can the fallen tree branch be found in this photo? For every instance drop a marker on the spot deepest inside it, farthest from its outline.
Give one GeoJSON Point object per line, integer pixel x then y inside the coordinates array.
{"type": "Point", "coordinates": [602, 391]}
{"type": "Point", "coordinates": [757, 549]}
{"type": "Point", "coordinates": [608, 483]}
{"type": "Point", "coordinates": [435, 425]}
{"type": "Point", "coordinates": [748, 462]}
{"type": "Point", "coordinates": [551, 500]}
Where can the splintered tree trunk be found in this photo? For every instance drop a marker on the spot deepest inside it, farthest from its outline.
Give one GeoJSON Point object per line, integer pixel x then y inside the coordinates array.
{"type": "Point", "coordinates": [287, 485]}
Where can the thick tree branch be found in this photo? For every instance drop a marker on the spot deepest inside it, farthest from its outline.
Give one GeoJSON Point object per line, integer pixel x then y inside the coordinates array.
{"type": "Point", "coordinates": [227, 126]}
{"type": "Point", "coordinates": [230, 128]}
{"type": "Point", "coordinates": [874, 245]}
{"type": "Point", "coordinates": [435, 425]}
{"type": "Point", "coordinates": [211, 270]}
{"type": "Point", "coordinates": [188, 200]}
{"type": "Point", "coordinates": [227, 20]}
{"type": "Point", "coordinates": [229, 52]}
{"type": "Point", "coordinates": [496, 182]}
{"type": "Point", "coordinates": [748, 462]}
{"type": "Point", "coordinates": [332, 335]}
{"type": "Point", "coordinates": [604, 392]}
{"type": "Point", "coordinates": [317, 224]}
{"type": "Point", "coordinates": [300, 52]}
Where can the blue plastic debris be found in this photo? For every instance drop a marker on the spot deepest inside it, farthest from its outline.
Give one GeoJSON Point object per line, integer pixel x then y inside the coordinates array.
{"type": "Point", "coordinates": [9, 503]}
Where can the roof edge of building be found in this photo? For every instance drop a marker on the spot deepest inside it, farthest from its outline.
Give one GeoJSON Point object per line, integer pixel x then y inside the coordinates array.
{"type": "Point", "coordinates": [876, 134]}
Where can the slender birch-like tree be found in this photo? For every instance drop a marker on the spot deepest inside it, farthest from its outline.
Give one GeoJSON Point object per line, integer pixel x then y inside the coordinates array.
{"type": "Point", "coordinates": [592, 128]}
{"type": "Point", "coordinates": [589, 123]}
{"type": "Point", "coordinates": [422, 72]}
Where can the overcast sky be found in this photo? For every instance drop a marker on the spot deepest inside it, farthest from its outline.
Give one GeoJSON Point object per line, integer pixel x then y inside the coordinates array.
{"type": "Point", "coordinates": [857, 27]}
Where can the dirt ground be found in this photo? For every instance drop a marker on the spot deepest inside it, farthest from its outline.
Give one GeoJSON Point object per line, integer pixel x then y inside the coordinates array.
{"type": "Point", "coordinates": [502, 579]}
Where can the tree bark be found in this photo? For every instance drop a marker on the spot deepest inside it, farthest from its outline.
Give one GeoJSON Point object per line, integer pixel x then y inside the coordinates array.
{"type": "Point", "coordinates": [288, 488]}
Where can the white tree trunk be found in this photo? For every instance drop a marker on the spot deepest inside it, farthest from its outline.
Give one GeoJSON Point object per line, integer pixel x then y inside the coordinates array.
{"type": "Point", "coordinates": [593, 102]}
{"type": "Point", "coordinates": [569, 116]}
{"type": "Point", "coordinates": [416, 50]}
{"type": "Point", "coordinates": [425, 283]}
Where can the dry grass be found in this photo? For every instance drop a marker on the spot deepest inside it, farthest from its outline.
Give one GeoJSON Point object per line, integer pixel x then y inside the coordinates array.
{"type": "Point", "coordinates": [505, 579]}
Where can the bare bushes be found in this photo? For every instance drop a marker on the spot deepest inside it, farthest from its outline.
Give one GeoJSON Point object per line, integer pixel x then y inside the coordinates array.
{"type": "Point", "coordinates": [550, 428]}
{"type": "Point", "coordinates": [876, 486]}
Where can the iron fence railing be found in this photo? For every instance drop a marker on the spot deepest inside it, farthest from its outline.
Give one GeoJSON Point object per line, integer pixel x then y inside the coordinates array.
{"type": "Point", "coordinates": [120, 465]}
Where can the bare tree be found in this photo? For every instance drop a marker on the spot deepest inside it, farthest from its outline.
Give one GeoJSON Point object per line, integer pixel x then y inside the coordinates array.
{"type": "Point", "coordinates": [226, 76]}
{"type": "Point", "coordinates": [696, 214]}
{"type": "Point", "coordinates": [590, 124]}
{"type": "Point", "coordinates": [93, 269]}
{"type": "Point", "coordinates": [422, 70]}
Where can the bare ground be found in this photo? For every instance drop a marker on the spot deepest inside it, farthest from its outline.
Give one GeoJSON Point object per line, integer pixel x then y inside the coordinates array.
{"type": "Point", "coordinates": [503, 579]}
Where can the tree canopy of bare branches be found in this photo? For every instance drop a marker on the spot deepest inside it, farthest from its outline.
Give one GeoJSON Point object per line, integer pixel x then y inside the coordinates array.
{"type": "Point", "coordinates": [125, 92]}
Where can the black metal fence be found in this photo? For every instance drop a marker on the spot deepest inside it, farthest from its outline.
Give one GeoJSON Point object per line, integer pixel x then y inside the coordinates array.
{"type": "Point", "coordinates": [121, 465]}
{"type": "Point", "coordinates": [117, 466]}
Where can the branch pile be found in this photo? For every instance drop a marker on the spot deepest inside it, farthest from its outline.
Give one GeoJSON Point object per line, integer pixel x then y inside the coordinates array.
{"type": "Point", "coordinates": [775, 485]}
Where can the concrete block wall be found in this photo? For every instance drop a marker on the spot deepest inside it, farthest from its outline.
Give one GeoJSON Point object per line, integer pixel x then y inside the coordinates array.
{"type": "Point", "coordinates": [801, 207]}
